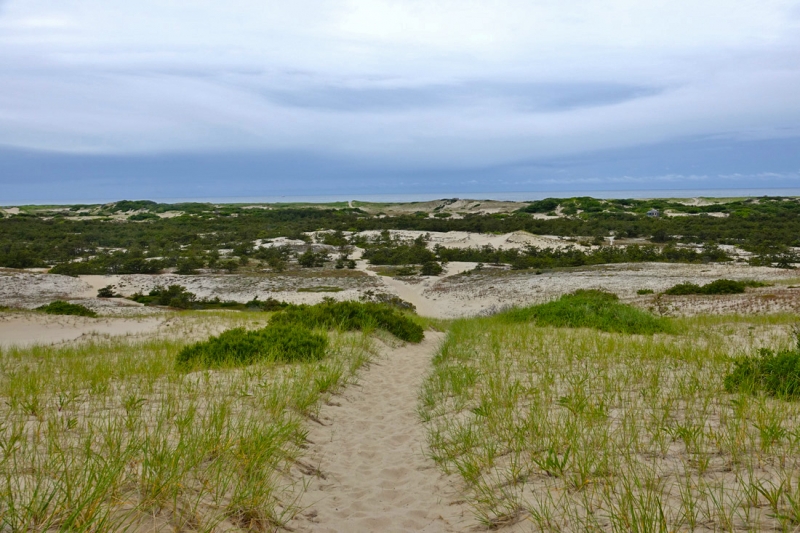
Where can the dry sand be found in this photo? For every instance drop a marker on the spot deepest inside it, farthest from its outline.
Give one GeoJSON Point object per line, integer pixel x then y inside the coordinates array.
{"type": "Point", "coordinates": [369, 452]}
{"type": "Point", "coordinates": [27, 329]}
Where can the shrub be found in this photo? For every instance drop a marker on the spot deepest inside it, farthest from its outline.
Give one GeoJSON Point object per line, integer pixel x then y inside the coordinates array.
{"type": "Point", "coordinates": [720, 286]}
{"type": "Point", "coordinates": [107, 292]}
{"type": "Point", "coordinates": [270, 304]}
{"type": "Point", "coordinates": [775, 373]}
{"type": "Point", "coordinates": [60, 307]}
{"type": "Point", "coordinates": [590, 309]}
{"type": "Point", "coordinates": [309, 259]}
{"type": "Point", "coordinates": [172, 296]}
{"type": "Point", "coordinates": [644, 291]}
{"type": "Point", "coordinates": [349, 316]}
{"type": "Point", "coordinates": [431, 268]}
{"type": "Point", "coordinates": [237, 347]}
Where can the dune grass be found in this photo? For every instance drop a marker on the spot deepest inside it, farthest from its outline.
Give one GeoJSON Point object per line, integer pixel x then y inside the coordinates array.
{"type": "Point", "coordinates": [109, 435]}
{"type": "Point", "coordinates": [586, 430]}
{"type": "Point", "coordinates": [776, 373]}
{"type": "Point", "coordinates": [590, 309]}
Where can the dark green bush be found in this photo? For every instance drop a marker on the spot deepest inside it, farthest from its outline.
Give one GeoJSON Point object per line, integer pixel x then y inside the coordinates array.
{"type": "Point", "coordinates": [107, 292]}
{"type": "Point", "coordinates": [270, 304]}
{"type": "Point", "coordinates": [60, 307]}
{"type": "Point", "coordinates": [590, 309]}
{"type": "Point", "coordinates": [684, 288]}
{"type": "Point", "coordinates": [720, 286]}
{"type": "Point", "coordinates": [349, 316]}
{"type": "Point", "coordinates": [288, 343]}
{"type": "Point", "coordinates": [173, 296]}
{"type": "Point", "coordinates": [431, 268]}
{"type": "Point", "coordinates": [775, 373]}
{"type": "Point", "coordinates": [644, 291]}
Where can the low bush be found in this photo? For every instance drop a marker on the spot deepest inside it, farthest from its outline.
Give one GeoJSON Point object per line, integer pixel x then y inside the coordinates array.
{"type": "Point", "coordinates": [270, 304]}
{"type": "Point", "coordinates": [775, 373]}
{"type": "Point", "coordinates": [107, 292]}
{"type": "Point", "coordinates": [172, 296]}
{"type": "Point", "coordinates": [431, 268]}
{"type": "Point", "coordinates": [237, 347]}
{"type": "Point", "coordinates": [720, 286]}
{"type": "Point", "coordinates": [349, 316]}
{"type": "Point", "coordinates": [60, 307]}
{"type": "Point", "coordinates": [644, 291]}
{"type": "Point", "coordinates": [590, 309]}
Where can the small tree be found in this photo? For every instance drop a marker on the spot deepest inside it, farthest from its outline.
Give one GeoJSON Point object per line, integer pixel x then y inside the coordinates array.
{"type": "Point", "coordinates": [431, 268]}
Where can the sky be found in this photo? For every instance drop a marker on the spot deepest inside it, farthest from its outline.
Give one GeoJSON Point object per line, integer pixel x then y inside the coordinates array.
{"type": "Point", "coordinates": [104, 99]}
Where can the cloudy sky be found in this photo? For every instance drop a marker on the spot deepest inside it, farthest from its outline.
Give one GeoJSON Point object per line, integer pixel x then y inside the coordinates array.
{"type": "Point", "coordinates": [194, 98]}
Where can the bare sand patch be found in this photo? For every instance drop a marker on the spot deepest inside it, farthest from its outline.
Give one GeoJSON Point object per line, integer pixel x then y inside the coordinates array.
{"type": "Point", "coordinates": [373, 474]}
{"type": "Point", "coordinates": [33, 328]}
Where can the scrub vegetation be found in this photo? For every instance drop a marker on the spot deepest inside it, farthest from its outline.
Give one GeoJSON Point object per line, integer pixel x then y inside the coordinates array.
{"type": "Point", "coordinates": [112, 435]}
{"type": "Point", "coordinates": [60, 307]}
{"type": "Point", "coordinates": [720, 286]}
{"type": "Point", "coordinates": [140, 237]}
{"type": "Point", "coordinates": [581, 429]}
{"type": "Point", "coordinates": [590, 309]}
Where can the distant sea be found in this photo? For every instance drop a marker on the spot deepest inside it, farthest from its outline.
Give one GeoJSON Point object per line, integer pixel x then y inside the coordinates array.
{"type": "Point", "coordinates": [507, 196]}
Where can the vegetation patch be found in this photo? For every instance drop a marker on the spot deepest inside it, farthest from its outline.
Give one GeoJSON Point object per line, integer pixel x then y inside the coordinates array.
{"type": "Point", "coordinates": [720, 286]}
{"type": "Point", "coordinates": [776, 373]}
{"type": "Point", "coordinates": [322, 288]}
{"type": "Point", "coordinates": [350, 316]}
{"type": "Point", "coordinates": [60, 307]}
{"type": "Point", "coordinates": [288, 343]}
{"type": "Point", "coordinates": [590, 309]}
{"type": "Point", "coordinates": [581, 430]}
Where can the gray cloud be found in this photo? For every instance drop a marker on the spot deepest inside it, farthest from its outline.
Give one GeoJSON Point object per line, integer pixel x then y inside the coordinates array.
{"type": "Point", "coordinates": [525, 97]}
{"type": "Point", "coordinates": [452, 85]}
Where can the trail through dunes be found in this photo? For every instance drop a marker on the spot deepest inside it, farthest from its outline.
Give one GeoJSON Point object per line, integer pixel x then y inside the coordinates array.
{"type": "Point", "coordinates": [370, 451]}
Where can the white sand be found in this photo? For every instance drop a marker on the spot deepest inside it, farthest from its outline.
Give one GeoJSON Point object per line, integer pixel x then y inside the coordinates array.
{"type": "Point", "coordinates": [370, 450]}
{"type": "Point", "coordinates": [29, 329]}
{"type": "Point", "coordinates": [464, 239]}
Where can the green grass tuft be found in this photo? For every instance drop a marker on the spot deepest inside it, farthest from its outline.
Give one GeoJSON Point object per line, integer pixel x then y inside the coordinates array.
{"type": "Point", "coordinates": [237, 347]}
{"type": "Point", "coordinates": [349, 316]}
{"type": "Point", "coordinates": [775, 373]}
{"type": "Point", "coordinates": [60, 307]}
{"type": "Point", "coordinates": [590, 309]}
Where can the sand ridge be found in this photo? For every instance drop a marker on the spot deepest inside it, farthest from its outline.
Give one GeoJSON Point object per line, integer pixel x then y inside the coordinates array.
{"type": "Point", "coordinates": [369, 449]}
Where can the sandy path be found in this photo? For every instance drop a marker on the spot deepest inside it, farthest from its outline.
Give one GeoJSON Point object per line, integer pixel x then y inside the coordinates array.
{"type": "Point", "coordinates": [370, 450]}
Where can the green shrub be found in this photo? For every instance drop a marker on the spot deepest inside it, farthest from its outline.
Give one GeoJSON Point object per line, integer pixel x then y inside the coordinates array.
{"type": "Point", "coordinates": [349, 316]}
{"type": "Point", "coordinates": [173, 296]}
{"type": "Point", "coordinates": [684, 288]}
{"type": "Point", "coordinates": [60, 307]}
{"type": "Point", "coordinates": [644, 291]}
{"type": "Point", "coordinates": [431, 268]}
{"type": "Point", "coordinates": [144, 216]}
{"type": "Point", "coordinates": [288, 343]}
{"type": "Point", "coordinates": [590, 309]}
{"type": "Point", "coordinates": [775, 373]}
{"type": "Point", "coordinates": [270, 304]}
{"type": "Point", "coordinates": [107, 292]}
{"type": "Point", "coordinates": [720, 286]}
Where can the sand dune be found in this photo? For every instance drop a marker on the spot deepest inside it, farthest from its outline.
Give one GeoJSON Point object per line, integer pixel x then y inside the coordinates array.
{"type": "Point", "coordinates": [28, 329]}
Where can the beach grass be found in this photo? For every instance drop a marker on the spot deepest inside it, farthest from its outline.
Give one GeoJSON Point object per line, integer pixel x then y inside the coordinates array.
{"type": "Point", "coordinates": [577, 429]}
{"type": "Point", "coordinates": [111, 435]}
